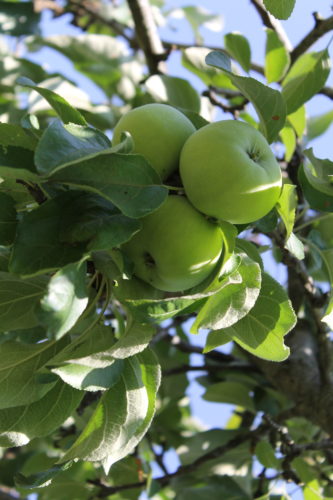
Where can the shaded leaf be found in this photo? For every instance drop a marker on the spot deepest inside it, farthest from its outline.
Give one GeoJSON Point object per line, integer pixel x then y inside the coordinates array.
{"type": "Point", "coordinates": [319, 173]}
{"type": "Point", "coordinates": [268, 103]}
{"type": "Point", "coordinates": [18, 299]}
{"type": "Point", "coordinates": [266, 455]}
{"type": "Point", "coordinates": [174, 91]}
{"type": "Point", "coordinates": [20, 424]}
{"type": "Point", "coordinates": [316, 198]}
{"type": "Point", "coordinates": [234, 393]}
{"type": "Point", "coordinates": [62, 144]}
{"type": "Point", "coordinates": [97, 222]}
{"type": "Point", "coordinates": [19, 18]}
{"type": "Point", "coordinates": [64, 110]}
{"type": "Point", "coordinates": [38, 246]}
{"type": "Point", "coordinates": [20, 379]}
{"type": "Point", "coordinates": [193, 59]}
{"type": "Point", "coordinates": [17, 163]}
{"type": "Point", "coordinates": [239, 48]}
{"type": "Point", "coordinates": [125, 179]}
{"type": "Point", "coordinates": [7, 219]}
{"type": "Point", "coordinates": [41, 479]}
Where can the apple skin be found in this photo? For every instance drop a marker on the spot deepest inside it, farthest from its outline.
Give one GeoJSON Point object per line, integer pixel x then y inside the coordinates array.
{"type": "Point", "coordinates": [159, 132]}
{"type": "Point", "coordinates": [177, 247]}
{"type": "Point", "coordinates": [229, 172]}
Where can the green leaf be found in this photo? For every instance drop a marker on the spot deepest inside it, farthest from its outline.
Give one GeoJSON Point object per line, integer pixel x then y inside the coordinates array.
{"type": "Point", "coordinates": [65, 300]}
{"type": "Point", "coordinates": [18, 299]}
{"type": "Point", "coordinates": [87, 340]}
{"type": "Point", "coordinates": [20, 424]}
{"type": "Point", "coordinates": [295, 246]}
{"type": "Point", "coordinates": [298, 120]}
{"type": "Point", "coordinates": [265, 453]}
{"type": "Point", "coordinates": [134, 340]}
{"type": "Point", "coordinates": [218, 487]}
{"type": "Point", "coordinates": [239, 48]}
{"type": "Point", "coordinates": [328, 317]}
{"type": "Point", "coordinates": [174, 91]}
{"type": "Point", "coordinates": [268, 103]}
{"type": "Point", "coordinates": [101, 57]}
{"type": "Point", "coordinates": [286, 207]}
{"type": "Point", "coordinates": [125, 179]}
{"type": "Point", "coordinates": [233, 393]}
{"type": "Point", "coordinates": [313, 491]}
{"type": "Point", "coordinates": [193, 59]}
{"type": "Point", "coordinates": [87, 377]}
{"type": "Point", "coordinates": [281, 9]}
{"type": "Point", "coordinates": [7, 219]}
{"type": "Point", "coordinates": [200, 17]}
{"type": "Point", "coordinates": [320, 173]}
{"type": "Point", "coordinates": [62, 144]}
{"type": "Point", "coordinates": [97, 222]}
{"type": "Point", "coordinates": [318, 125]}
{"type": "Point", "coordinates": [113, 231]}
{"type": "Point", "coordinates": [277, 58]}
{"type": "Point", "coordinates": [41, 479]}
{"type": "Point", "coordinates": [235, 299]}
{"type": "Point", "coordinates": [17, 163]}
{"type": "Point", "coordinates": [288, 137]}
{"type": "Point", "coordinates": [64, 110]}
{"type": "Point", "coordinates": [19, 18]}
{"type": "Point", "coordinates": [38, 246]}
{"type": "Point", "coordinates": [306, 77]}
{"type": "Point", "coordinates": [122, 416]}
{"type": "Point", "coordinates": [4, 259]}
{"type": "Point", "coordinates": [20, 377]}
{"type": "Point", "coordinates": [316, 199]}
{"type": "Point", "coordinates": [262, 330]}
{"type": "Point", "coordinates": [145, 301]}
{"type": "Point", "coordinates": [14, 135]}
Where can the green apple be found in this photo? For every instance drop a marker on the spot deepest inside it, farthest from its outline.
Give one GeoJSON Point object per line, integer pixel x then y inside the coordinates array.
{"type": "Point", "coordinates": [159, 132]}
{"type": "Point", "coordinates": [177, 247]}
{"type": "Point", "coordinates": [229, 172]}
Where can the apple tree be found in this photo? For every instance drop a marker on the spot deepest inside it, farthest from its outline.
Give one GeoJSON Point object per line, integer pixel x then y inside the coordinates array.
{"type": "Point", "coordinates": [117, 295]}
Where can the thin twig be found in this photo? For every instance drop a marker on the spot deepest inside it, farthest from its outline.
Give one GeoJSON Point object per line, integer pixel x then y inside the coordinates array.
{"type": "Point", "coordinates": [270, 22]}
{"type": "Point", "coordinates": [321, 27]}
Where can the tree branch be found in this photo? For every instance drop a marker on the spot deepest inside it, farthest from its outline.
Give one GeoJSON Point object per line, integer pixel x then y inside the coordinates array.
{"type": "Point", "coordinates": [300, 378]}
{"type": "Point", "coordinates": [270, 22]}
{"type": "Point", "coordinates": [147, 34]}
{"type": "Point", "coordinates": [321, 27]}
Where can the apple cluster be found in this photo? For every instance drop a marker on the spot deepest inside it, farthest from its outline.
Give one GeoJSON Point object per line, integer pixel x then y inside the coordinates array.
{"type": "Point", "coordinates": [228, 172]}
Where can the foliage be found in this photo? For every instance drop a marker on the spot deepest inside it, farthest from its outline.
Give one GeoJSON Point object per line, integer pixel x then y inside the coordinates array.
{"type": "Point", "coordinates": [94, 363]}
